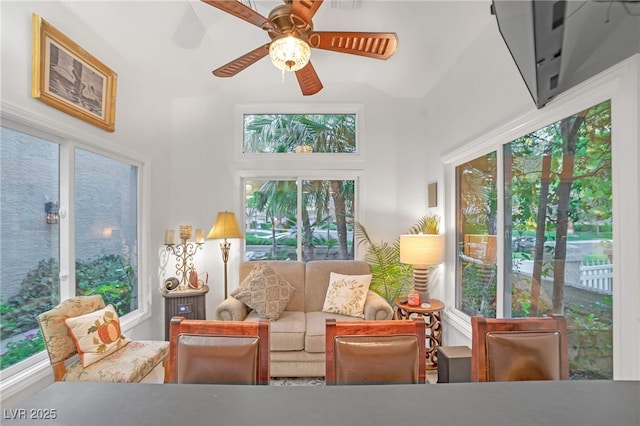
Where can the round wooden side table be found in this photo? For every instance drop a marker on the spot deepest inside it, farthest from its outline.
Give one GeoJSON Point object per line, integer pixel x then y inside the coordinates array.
{"type": "Point", "coordinates": [433, 321]}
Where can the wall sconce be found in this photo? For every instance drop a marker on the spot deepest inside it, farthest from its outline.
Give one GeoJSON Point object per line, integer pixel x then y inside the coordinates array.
{"type": "Point", "coordinates": [52, 211]}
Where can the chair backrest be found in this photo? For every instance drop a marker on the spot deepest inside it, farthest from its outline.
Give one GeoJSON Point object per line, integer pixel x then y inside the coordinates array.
{"type": "Point", "coordinates": [375, 352]}
{"type": "Point", "coordinates": [221, 352]}
{"type": "Point", "coordinates": [516, 349]}
{"type": "Point", "coordinates": [55, 333]}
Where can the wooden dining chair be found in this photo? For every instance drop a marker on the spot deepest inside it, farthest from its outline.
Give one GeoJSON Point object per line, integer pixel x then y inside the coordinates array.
{"type": "Point", "coordinates": [516, 349]}
{"type": "Point", "coordinates": [220, 352]}
{"type": "Point", "coordinates": [375, 352]}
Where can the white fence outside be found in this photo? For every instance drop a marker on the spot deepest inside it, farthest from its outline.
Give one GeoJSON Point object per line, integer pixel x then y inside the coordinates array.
{"type": "Point", "coordinates": [596, 276]}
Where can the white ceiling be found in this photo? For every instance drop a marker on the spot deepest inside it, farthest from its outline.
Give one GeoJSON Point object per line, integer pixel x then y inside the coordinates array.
{"type": "Point", "coordinates": [181, 42]}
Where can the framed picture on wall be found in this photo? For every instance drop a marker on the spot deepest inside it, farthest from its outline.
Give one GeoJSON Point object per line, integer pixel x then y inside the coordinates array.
{"type": "Point", "coordinates": [68, 78]}
{"type": "Point", "coordinates": [432, 195]}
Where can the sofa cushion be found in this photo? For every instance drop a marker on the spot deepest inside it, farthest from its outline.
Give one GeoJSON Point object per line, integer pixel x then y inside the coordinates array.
{"type": "Point", "coordinates": [286, 334]}
{"type": "Point", "coordinates": [314, 340]}
{"type": "Point", "coordinates": [292, 271]}
{"type": "Point", "coordinates": [346, 294]}
{"type": "Point", "coordinates": [264, 291]}
{"type": "Point", "coordinates": [317, 276]}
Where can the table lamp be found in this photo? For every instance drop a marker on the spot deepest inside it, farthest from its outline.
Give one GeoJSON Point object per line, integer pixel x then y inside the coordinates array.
{"type": "Point", "coordinates": [225, 227]}
{"type": "Point", "coordinates": [422, 251]}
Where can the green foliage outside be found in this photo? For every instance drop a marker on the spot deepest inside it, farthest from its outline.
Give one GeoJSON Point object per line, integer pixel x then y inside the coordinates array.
{"type": "Point", "coordinates": [590, 329]}
{"type": "Point", "coordinates": [108, 276]}
{"type": "Point", "coordinates": [19, 350]}
{"type": "Point", "coordinates": [39, 292]}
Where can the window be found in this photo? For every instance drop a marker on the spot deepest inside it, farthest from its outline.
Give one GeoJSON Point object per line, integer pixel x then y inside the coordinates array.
{"type": "Point", "coordinates": [29, 252]}
{"type": "Point", "coordinates": [106, 229]}
{"type": "Point", "coordinates": [477, 219]}
{"type": "Point", "coordinates": [39, 264]}
{"type": "Point", "coordinates": [556, 231]}
{"type": "Point", "coordinates": [299, 133]}
{"type": "Point", "coordinates": [305, 209]}
{"type": "Point", "coordinates": [324, 218]}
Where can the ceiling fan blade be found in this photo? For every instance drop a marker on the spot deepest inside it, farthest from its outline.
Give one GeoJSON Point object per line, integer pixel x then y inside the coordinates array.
{"type": "Point", "coordinates": [308, 80]}
{"type": "Point", "coordinates": [238, 64]}
{"type": "Point", "coordinates": [305, 9]}
{"type": "Point", "coordinates": [371, 45]}
{"type": "Point", "coordinates": [241, 11]}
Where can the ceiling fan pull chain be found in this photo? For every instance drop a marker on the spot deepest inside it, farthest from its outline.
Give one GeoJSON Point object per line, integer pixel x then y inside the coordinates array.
{"type": "Point", "coordinates": [283, 77]}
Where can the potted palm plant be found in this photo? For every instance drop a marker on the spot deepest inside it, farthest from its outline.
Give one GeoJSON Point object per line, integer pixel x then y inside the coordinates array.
{"type": "Point", "coordinates": [390, 278]}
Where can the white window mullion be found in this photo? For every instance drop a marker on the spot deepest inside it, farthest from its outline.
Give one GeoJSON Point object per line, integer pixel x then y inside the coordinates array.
{"type": "Point", "coordinates": [500, 293]}
{"type": "Point", "coordinates": [67, 241]}
{"type": "Point", "coordinates": [299, 208]}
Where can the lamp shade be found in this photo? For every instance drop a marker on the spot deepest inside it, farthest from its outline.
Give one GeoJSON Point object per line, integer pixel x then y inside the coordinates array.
{"type": "Point", "coordinates": [422, 249]}
{"type": "Point", "coordinates": [226, 226]}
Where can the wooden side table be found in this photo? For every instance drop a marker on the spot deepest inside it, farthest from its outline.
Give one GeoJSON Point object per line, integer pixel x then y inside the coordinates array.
{"type": "Point", "coordinates": [190, 304]}
{"type": "Point", "coordinates": [433, 321]}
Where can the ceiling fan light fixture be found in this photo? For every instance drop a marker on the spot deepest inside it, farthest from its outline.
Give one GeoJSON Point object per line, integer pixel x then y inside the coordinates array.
{"type": "Point", "coordinates": [289, 53]}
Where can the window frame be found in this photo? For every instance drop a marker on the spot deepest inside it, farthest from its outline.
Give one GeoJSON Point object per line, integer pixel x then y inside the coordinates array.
{"type": "Point", "coordinates": [68, 139]}
{"type": "Point", "coordinates": [246, 109]}
{"type": "Point", "coordinates": [620, 85]}
{"type": "Point", "coordinates": [297, 176]}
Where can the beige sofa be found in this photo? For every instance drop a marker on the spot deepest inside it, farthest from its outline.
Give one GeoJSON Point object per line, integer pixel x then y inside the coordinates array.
{"type": "Point", "coordinates": [298, 336]}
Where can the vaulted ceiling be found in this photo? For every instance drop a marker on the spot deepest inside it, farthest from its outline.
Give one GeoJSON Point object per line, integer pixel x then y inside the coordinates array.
{"type": "Point", "coordinates": [182, 42]}
{"type": "Point", "coordinates": [179, 43]}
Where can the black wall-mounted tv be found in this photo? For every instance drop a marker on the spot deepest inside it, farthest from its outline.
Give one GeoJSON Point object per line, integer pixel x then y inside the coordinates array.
{"type": "Point", "coordinates": [559, 44]}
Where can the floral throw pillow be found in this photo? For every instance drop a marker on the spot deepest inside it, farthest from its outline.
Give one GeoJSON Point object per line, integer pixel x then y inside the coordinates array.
{"type": "Point", "coordinates": [346, 294]}
{"type": "Point", "coordinates": [265, 291]}
{"type": "Point", "coordinates": [96, 334]}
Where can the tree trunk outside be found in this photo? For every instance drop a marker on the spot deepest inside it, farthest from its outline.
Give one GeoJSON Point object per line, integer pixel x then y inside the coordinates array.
{"type": "Point", "coordinates": [538, 256]}
{"type": "Point", "coordinates": [341, 217]}
{"type": "Point", "coordinates": [569, 131]}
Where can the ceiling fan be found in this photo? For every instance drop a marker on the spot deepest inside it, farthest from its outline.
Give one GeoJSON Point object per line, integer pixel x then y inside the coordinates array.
{"type": "Point", "coordinates": [292, 35]}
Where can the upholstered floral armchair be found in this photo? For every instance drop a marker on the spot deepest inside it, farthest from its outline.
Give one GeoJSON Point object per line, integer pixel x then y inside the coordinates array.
{"type": "Point", "coordinates": [84, 343]}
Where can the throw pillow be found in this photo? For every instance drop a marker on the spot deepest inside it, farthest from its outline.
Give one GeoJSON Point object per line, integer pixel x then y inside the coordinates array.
{"type": "Point", "coordinates": [96, 334]}
{"type": "Point", "coordinates": [346, 294]}
{"type": "Point", "coordinates": [265, 291]}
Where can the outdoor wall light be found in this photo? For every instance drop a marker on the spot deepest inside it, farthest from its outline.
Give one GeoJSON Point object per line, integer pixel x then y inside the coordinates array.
{"type": "Point", "coordinates": [52, 211]}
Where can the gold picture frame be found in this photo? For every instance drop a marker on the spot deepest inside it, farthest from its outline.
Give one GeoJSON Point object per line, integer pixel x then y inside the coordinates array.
{"type": "Point", "coordinates": [70, 79]}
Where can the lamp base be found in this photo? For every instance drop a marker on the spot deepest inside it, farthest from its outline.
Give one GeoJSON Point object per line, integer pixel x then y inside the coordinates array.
{"type": "Point", "coordinates": [425, 297]}
{"type": "Point", "coordinates": [421, 282]}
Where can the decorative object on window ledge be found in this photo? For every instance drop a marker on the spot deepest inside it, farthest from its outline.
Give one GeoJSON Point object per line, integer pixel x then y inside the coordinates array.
{"type": "Point", "coordinates": [290, 28]}
{"type": "Point", "coordinates": [422, 251]}
{"type": "Point", "coordinates": [67, 77]}
{"type": "Point", "coordinates": [52, 211]}
{"type": "Point", "coordinates": [226, 226]}
{"type": "Point", "coordinates": [184, 252]}
{"type": "Point", "coordinates": [304, 149]}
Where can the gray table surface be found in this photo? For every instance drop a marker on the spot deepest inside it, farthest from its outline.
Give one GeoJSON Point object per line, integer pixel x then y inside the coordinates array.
{"type": "Point", "coordinates": [506, 403]}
